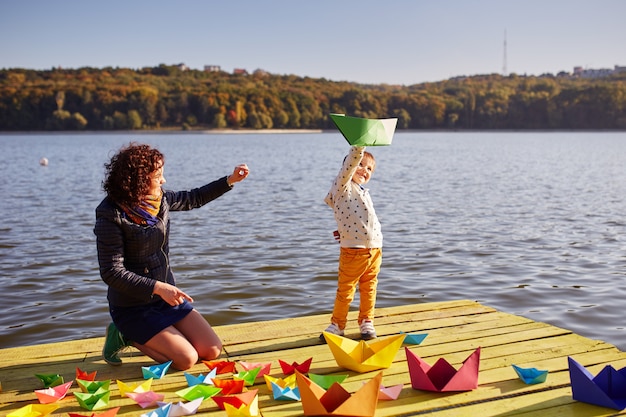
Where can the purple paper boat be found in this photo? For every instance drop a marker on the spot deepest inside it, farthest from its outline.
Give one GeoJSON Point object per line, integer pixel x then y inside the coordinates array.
{"type": "Point", "coordinates": [607, 389]}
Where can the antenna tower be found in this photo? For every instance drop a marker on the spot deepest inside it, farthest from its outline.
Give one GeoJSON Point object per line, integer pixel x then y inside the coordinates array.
{"type": "Point", "coordinates": [504, 70]}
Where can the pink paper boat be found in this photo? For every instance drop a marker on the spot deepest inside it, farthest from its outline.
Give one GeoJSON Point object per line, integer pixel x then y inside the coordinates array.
{"type": "Point", "coordinates": [265, 367]}
{"type": "Point", "coordinates": [145, 399]}
{"type": "Point", "coordinates": [390, 393]}
{"type": "Point", "coordinates": [442, 376]}
{"type": "Point", "coordinates": [53, 394]}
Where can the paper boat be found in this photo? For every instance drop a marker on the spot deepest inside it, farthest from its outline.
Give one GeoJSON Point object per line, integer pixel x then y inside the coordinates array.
{"type": "Point", "coordinates": [288, 381]}
{"type": "Point", "coordinates": [93, 386]}
{"type": "Point", "coordinates": [248, 377]}
{"type": "Point", "coordinates": [390, 393]}
{"type": "Point", "coordinates": [365, 132]}
{"type": "Point", "coordinates": [93, 400]}
{"type": "Point", "coordinates": [50, 380]}
{"type": "Point", "coordinates": [162, 411]}
{"type": "Point", "coordinates": [133, 387]}
{"type": "Point", "coordinates": [442, 376]}
{"type": "Point", "coordinates": [85, 376]}
{"type": "Point", "coordinates": [229, 386]}
{"type": "Point", "coordinates": [198, 391]}
{"type": "Point", "coordinates": [336, 401]}
{"type": "Point", "coordinates": [265, 367]}
{"type": "Point", "coordinates": [244, 410]}
{"type": "Point", "coordinates": [180, 408]}
{"type": "Point", "coordinates": [223, 367]}
{"type": "Point", "coordinates": [289, 369]}
{"type": "Point", "coordinates": [53, 394]}
{"type": "Point", "coordinates": [155, 371]}
{"type": "Point", "coordinates": [325, 381]}
{"type": "Point", "coordinates": [236, 400]}
{"type": "Point", "coordinates": [108, 413]}
{"type": "Point", "coordinates": [285, 393]}
{"type": "Point", "coordinates": [607, 389]}
{"type": "Point", "coordinates": [414, 338]}
{"type": "Point", "coordinates": [531, 375]}
{"type": "Point", "coordinates": [362, 356]}
{"type": "Point", "coordinates": [33, 410]}
{"type": "Point", "coordinates": [145, 399]}
{"type": "Point", "coordinates": [201, 379]}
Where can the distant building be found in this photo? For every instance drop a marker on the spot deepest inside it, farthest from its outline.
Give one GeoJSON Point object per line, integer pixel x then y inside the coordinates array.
{"type": "Point", "coordinates": [260, 73]}
{"type": "Point", "coordinates": [597, 73]}
{"type": "Point", "coordinates": [240, 71]}
{"type": "Point", "coordinates": [182, 67]}
{"type": "Point", "coordinates": [212, 68]}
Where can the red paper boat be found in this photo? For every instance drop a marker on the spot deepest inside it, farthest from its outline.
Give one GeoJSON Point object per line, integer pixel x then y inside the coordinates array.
{"type": "Point", "coordinates": [303, 367]}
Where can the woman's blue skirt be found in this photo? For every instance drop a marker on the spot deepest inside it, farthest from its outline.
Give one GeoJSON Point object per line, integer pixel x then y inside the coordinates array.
{"type": "Point", "coordinates": [141, 323]}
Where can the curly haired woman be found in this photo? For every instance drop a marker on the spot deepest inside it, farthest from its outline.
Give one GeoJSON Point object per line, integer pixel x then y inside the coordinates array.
{"type": "Point", "coordinates": [132, 228]}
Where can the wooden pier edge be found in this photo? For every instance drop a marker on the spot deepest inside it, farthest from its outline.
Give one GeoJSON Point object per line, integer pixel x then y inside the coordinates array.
{"type": "Point", "coordinates": [454, 328]}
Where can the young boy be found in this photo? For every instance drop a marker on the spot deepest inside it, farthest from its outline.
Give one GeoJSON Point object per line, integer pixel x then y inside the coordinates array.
{"type": "Point", "coordinates": [361, 240]}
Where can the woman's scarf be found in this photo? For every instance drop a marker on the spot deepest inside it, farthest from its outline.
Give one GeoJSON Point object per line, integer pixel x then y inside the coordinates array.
{"type": "Point", "coordinates": [145, 213]}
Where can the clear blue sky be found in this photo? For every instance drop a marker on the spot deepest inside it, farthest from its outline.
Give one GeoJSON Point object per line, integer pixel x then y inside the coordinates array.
{"type": "Point", "coordinates": [385, 41]}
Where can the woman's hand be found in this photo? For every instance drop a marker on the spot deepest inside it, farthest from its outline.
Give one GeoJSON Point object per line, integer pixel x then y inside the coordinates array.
{"type": "Point", "coordinates": [170, 293]}
{"type": "Point", "coordinates": [239, 174]}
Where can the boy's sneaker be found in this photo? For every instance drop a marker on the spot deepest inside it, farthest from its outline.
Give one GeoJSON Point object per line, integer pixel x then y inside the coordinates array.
{"type": "Point", "coordinates": [114, 342]}
{"type": "Point", "coordinates": [333, 329]}
{"type": "Point", "coordinates": [367, 330]}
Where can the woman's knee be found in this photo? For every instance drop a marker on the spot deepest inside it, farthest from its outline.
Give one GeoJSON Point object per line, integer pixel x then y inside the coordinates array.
{"type": "Point", "coordinates": [211, 352]}
{"type": "Point", "coordinates": [185, 360]}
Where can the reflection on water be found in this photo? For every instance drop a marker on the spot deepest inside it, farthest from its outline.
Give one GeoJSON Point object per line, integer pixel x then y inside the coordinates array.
{"type": "Point", "coordinates": [528, 223]}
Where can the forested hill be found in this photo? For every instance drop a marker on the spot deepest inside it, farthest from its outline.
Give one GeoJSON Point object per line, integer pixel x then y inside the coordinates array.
{"type": "Point", "coordinates": [166, 97]}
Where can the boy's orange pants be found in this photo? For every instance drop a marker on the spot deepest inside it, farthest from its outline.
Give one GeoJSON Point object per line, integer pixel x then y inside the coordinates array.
{"type": "Point", "coordinates": [357, 266]}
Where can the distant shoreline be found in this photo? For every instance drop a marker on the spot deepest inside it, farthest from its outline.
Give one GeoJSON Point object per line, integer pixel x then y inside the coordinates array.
{"type": "Point", "coordinates": [284, 131]}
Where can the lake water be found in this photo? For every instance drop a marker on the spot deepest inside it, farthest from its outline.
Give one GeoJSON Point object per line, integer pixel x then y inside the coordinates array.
{"type": "Point", "coordinates": [528, 223]}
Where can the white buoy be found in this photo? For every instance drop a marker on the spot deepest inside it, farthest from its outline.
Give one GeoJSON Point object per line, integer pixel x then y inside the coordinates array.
{"type": "Point", "coordinates": [43, 162]}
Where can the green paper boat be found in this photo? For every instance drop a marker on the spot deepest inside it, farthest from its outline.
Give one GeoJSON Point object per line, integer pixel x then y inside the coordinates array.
{"type": "Point", "coordinates": [198, 391]}
{"type": "Point", "coordinates": [93, 400]}
{"type": "Point", "coordinates": [365, 132]}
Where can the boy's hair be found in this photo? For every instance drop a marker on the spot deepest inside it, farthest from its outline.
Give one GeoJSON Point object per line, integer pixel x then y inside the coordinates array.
{"type": "Point", "coordinates": [366, 154]}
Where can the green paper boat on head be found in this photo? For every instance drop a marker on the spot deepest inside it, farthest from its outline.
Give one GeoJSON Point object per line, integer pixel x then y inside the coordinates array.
{"type": "Point", "coordinates": [365, 132]}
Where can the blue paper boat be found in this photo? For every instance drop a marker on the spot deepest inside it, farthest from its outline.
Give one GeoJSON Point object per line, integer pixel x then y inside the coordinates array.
{"type": "Point", "coordinates": [286, 394]}
{"type": "Point", "coordinates": [201, 379]}
{"type": "Point", "coordinates": [155, 371]}
{"type": "Point", "coordinates": [607, 389]}
{"type": "Point", "coordinates": [531, 375]}
{"type": "Point", "coordinates": [414, 338]}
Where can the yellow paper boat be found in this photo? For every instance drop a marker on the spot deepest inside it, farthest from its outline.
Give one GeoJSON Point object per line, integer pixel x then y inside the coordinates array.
{"type": "Point", "coordinates": [33, 410]}
{"type": "Point", "coordinates": [361, 356]}
{"type": "Point", "coordinates": [336, 401]}
{"type": "Point", "coordinates": [134, 387]}
{"type": "Point", "coordinates": [365, 132]}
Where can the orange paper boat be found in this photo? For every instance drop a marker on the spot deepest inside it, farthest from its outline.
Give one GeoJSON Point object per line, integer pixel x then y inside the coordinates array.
{"type": "Point", "coordinates": [223, 367]}
{"type": "Point", "coordinates": [236, 400]}
{"type": "Point", "coordinates": [442, 376]}
{"type": "Point", "coordinates": [336, 401]}
{"type": "Point", "coordinates": [229, 386]}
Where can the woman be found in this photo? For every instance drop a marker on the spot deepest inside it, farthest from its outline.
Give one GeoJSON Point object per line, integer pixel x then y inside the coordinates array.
{"type": "Point", "coordinates": [132, 232]}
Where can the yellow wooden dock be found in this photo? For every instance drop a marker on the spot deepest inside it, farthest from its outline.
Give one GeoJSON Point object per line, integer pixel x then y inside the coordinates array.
{"type": "Point", "coordinates": [455, 329]}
